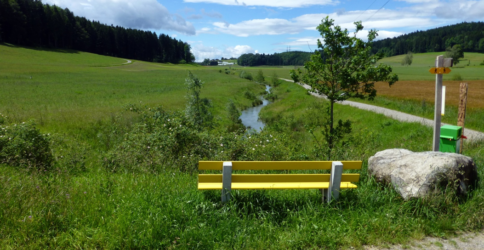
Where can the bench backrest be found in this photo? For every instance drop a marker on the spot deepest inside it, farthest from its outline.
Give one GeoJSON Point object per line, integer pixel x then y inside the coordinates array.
{"type": "Point", "coordinates": [277, 165]}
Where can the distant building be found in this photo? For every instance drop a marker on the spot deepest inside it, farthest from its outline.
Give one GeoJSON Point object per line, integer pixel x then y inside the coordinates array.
{"type": "Point", "coordinates": [224, 63]}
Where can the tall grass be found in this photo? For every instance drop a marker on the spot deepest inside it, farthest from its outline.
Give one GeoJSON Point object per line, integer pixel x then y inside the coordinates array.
{"type": "Point", "coordinates": [150, 201]}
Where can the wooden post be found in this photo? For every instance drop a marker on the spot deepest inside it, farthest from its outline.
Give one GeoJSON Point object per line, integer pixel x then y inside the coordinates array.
{"type": "Point", "coordinates": [462, 110]}
{"type": "Point", "coordinates": [226, 181]}
{"type": "Point", "coordinates": [335, 180]}
{"type": "Point", "coordinates": [439, 63]}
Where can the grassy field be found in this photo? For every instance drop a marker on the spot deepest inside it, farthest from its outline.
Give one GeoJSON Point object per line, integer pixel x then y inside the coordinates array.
{"type": "Point", "coordinates": [414, 93]}
{"type": "Point", "coordinates": [131, 182]}
{"type": "Point", "coordinates": [72, 89]}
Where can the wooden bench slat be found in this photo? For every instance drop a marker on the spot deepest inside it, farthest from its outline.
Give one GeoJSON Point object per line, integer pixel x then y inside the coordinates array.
{"type": "Point", "coordinates": [277, 185]}
{"type": "Point", "coordinates": [273, 178]}
{"type": "Point", "coordinates": [277, 165]}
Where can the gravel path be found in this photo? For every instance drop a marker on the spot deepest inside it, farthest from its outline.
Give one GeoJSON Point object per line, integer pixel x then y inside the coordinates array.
{"type": "Point", "coordinates": [465, 241]}
{"type": "Point", "coordinates": [400, 116]}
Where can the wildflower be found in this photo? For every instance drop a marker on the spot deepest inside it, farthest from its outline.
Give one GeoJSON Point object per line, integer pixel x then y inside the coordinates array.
{"type": "Point", "coordinates": [221, 144]}
{"type": "Point", "coordinates": [148, 147]}
{"type": "Point", "coordinates": [85, 192]}
{"type": "Point", "coordinates": [267, 140]}
{"type": "Point", "coordinates": [168, 119]}
{"type": "Point", "coordinates": [253, 148]}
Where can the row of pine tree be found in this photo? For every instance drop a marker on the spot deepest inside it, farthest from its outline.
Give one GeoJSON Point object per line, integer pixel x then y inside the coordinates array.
{"type": "Point", "coordinates": [32, 23]}
{"type": "Point", "coordinates": [279, 59]}
{"type": "Point", "coordinates": [470, 36]}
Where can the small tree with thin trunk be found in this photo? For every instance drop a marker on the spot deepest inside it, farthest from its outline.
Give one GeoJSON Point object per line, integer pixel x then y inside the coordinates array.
{"type": "Point", "coordinates": [343, 67]}
{"type": "Point", "coordinates": [407, 60]}
{"type": "Point", "coordinates": [198, 109]}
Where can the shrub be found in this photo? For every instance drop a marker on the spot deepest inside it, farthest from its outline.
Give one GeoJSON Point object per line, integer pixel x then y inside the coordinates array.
{"type": "Point", "coordinates": [22, 145]}
{"type": "Point", "coordinates": [271, 97]}
{"type": "Point", "coordinates": [275, 80]}
{"type": "Point", "coordinates": [246, 75]}
{"type": "Point", "coordinates": [260, 77]}
{"type": "Point", "coordinates": [168, 141]}
{"type": "Point", "coordinates": [249, 95]}
{"type": "Point", "coordinates": [457, 77]}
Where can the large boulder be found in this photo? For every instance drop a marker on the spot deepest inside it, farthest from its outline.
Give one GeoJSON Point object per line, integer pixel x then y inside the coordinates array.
{"type": "Point", "coordinates": [418, 174]}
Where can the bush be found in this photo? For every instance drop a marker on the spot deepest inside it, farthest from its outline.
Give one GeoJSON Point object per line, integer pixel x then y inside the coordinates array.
{"type": "Point", "coordinates": [260, 77]}
{"type": "Point", "coordinates": [168, 141]}
{"type": "Point", "coordinates": [246, 75]}
{"type": "Point", "coordinates": [271, 97]}
{"type": "Point", "coordinates": [22, 145]}
{"type": "Point", "coordinates": [249, 95]}
{"type": "Point", "coordinates": [275, 80]}
{"type": "Point", "coordinates": [457, 77]}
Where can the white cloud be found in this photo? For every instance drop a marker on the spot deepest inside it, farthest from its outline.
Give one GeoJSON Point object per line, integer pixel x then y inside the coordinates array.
{"type": "Point", "coordinates": [383, 19]}
{"type": "Point", "coordinates": [270, 3]}
{"type": "Point", "coordinates": [201, 51]}
{"type": "Point", "coordinates": [302, 41]}
{"type": "Point", "coordinates": [259, 27]}
{"type": "Point", "coordinates": [461, 10]}
{"type": "Point", "coordinates": [140, 14]}
{"type": "Point", "coordinates": [213, 14]}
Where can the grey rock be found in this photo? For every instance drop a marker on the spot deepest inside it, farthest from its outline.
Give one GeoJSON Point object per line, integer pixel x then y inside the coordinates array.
{"type": "Point", "coordinates": [418, 174]}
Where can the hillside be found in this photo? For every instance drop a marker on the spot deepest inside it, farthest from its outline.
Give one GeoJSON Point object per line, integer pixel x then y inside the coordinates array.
{"type": "Point", "coordinates": [469, 35]}
{"type": "Point", "coordinates": [73, 89]}
{"type": "Point", "coordinates": [276, 59]}
{"type": "Point", "coordinates": [31, 23]}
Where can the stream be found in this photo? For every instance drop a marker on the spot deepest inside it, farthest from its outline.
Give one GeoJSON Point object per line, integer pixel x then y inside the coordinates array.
{"type": "Point", "coordinates": [250, 116]}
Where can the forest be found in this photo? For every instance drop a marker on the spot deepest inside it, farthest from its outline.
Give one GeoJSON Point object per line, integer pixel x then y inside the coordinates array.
{"type": "Point", "coordinates": [276, 59]}
{"type": "Point", "coordinates": [34, 24]}
{"type": "Point", "coordinates": [469, 35]}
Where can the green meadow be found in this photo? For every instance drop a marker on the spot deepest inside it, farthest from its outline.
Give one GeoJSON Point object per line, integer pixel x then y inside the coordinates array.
{"type": "Point", "coordinates": [62, 89]}
{"type": "Point", "coordinates": [124, 155]}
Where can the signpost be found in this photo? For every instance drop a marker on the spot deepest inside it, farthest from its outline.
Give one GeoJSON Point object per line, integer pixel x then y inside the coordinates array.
{"type": "Point", "coordinates": [441, 67]}
{"type": "Point", "coordinates": [462, 110]}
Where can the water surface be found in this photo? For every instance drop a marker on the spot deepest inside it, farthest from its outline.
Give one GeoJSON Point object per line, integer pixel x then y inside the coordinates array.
{"type": "Point", "coordinates": [250, 116]}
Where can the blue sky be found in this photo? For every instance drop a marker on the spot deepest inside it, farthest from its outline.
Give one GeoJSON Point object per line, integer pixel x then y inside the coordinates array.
{"type": "Point", "coordinates": [229, 28]}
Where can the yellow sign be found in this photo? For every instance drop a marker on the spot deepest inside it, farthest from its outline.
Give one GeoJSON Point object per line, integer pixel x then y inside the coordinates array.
{"type": "Point", "coordinates": [441, 70]}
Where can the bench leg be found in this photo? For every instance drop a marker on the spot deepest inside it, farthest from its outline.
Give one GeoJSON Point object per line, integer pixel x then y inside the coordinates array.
{"type": "Point", "coordinates": [324, 193]}
{"type": "Point", "coordinates": [335, 181]}
{"type": "Point", "coordinates": [226, 181]}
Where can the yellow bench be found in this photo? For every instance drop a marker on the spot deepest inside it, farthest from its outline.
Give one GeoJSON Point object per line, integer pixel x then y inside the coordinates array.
{"type": "Point", "coordinates": [330, 184]}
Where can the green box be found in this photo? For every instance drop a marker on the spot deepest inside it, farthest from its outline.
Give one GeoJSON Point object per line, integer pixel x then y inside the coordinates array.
{"type": "Point", "coordinates": [450, 138]}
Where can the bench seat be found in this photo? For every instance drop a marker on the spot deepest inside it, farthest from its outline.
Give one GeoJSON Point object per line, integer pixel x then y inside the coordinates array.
{"type": "Point", "coordinates": [275, 185]}
{"type": "Point", "coordinates": [275, 181]}
{"type": "Point", "coordinates": [329, 184]}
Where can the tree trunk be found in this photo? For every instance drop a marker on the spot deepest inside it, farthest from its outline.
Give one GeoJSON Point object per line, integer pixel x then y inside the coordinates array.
{"type": "Point", "coordinates": [331, 131]}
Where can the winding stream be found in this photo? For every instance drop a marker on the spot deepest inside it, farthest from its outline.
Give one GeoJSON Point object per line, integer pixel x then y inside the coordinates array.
{"type": "Point", "coordinates": [250, 116]}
